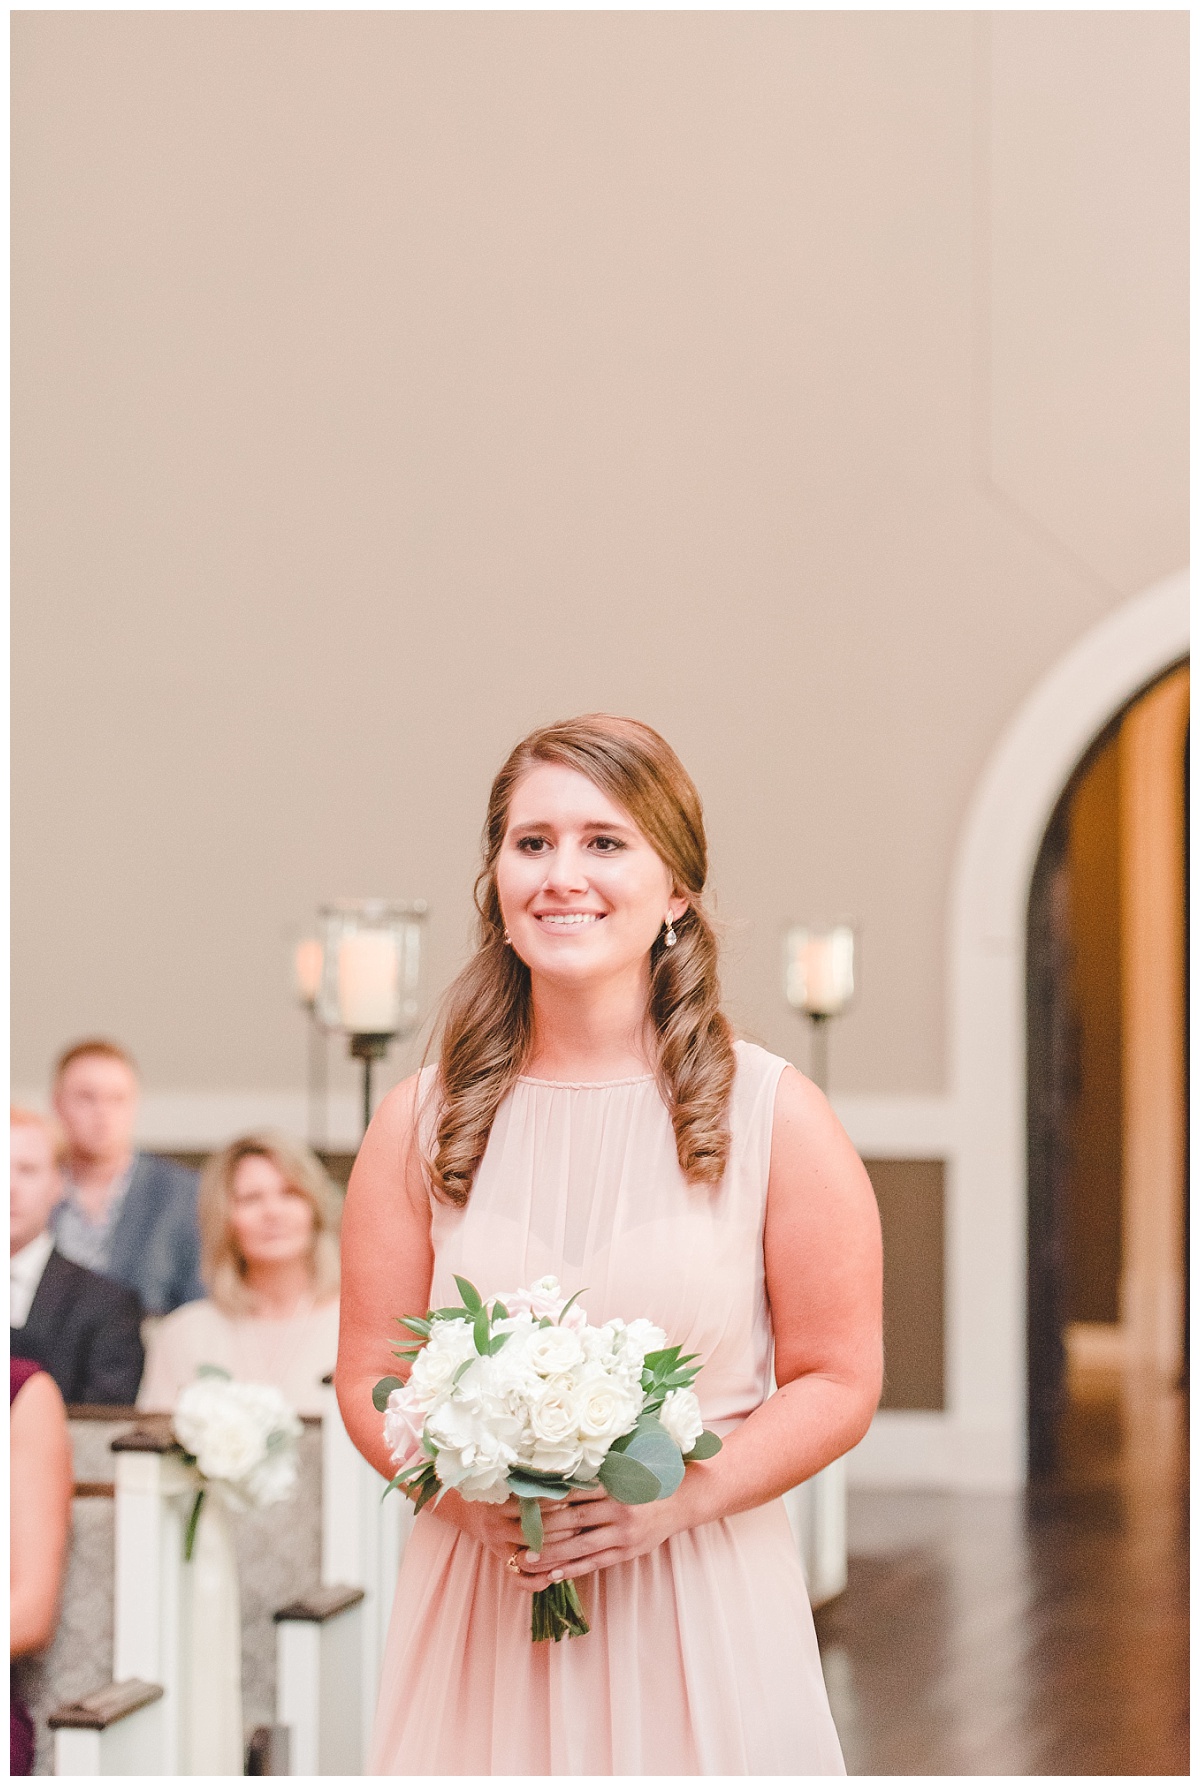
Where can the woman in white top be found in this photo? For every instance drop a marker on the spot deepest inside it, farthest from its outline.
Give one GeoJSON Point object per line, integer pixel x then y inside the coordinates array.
{"type": "Point", "coordinates": [269, 1255]}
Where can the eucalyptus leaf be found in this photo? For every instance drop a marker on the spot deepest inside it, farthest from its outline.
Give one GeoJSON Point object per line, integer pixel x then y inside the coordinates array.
{"type": "Point", "coordinates": [653, 1446]}
{"type": "Point", "coordinates": [531, 1525]}
{"type": "Point", "coordinates": [464, 1366]}
{"type": "Point", "coordinates": [382, 1389]}
{"type": "Point", "coordinates": [214, 1370]}
{"type": "Point", "coordinates": [529, 1487]}
{"type": "Point", "coordinates": [472, 1300]}
{"type": "Point", "coordinates": [707, 1445]}
{"type": "Point", "coordinates": [499, 1312]}
{"type": "Point", "coordinates": [415, 1325]}
{"type": "Point", "coordinates": [628, 1481]}
{"type": "Point", "coordinates": [482, 1332]}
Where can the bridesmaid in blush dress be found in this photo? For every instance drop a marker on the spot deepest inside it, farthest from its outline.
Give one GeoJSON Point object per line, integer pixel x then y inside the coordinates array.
{"type": "Point", "coordinates": [592, 1117]}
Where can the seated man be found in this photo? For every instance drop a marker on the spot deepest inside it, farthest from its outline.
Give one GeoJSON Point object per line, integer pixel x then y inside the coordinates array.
{"type": "Point", "coordinates": [83, 1329]}
{"type": "Point", "coordinates": [130, 1216]}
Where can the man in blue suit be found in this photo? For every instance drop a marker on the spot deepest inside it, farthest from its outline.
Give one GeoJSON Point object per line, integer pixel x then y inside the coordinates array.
{"type": "Point", "coordinates": [130, 1216]}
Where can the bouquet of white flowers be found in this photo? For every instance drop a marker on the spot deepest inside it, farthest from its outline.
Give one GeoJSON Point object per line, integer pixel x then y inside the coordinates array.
{"type": "Point", "coordinates": [240, 1438]}
{"type": "Point", "coordinates": [522, 1396]}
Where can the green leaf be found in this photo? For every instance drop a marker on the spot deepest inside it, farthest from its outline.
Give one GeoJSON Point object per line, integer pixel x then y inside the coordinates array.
{"type": "Point", "coordinates": [472, 1300]}
{"type": "Point", "coordinates": [482, 1331]}
{"type": "Point", "coordinates": [382, 1389]}
{"type": "Point", "coordinates": [531, 1524]}
{"type": "Point", "coordinates": [653, 1446]}
{"type": "Point", "coordinates": [524, 1483]}
{"type": "Point", "coordinates": [629, 1481]}
{"type": "Point", "coordinates": [566, 1305]}
{"type": "Point", "coordinates": [449, 1314]}
{"type": "Point", "coordinates": [214, 1370]}
{"type": "Point", "coordinates": [464, 1366]}
{"type": "Point", "coordinates": [707, 1445]}
{"type": "Point", "coordinates": [499, 1312]}
{"type": "Point", "coordinates": [496, 1341]}
{"type": "Point", "coordinates": [428, 1490]}
{"type": "Point", "coordinates": [415, 1325]}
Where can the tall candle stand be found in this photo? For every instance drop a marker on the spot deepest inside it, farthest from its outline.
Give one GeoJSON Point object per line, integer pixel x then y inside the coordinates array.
{"type": "Point", "coordinates": [370, 979]}
{"type": "Point", "coordinates": [819, 983]}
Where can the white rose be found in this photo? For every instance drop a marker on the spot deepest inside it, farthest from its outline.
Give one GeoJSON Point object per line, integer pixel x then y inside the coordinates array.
{"type": "Point", "coordinates": [606, 1410]}
{"type": "Point", "coordinates": [680, 1414]}
{"type": "Point", "coordinates": [552, 1351]}
{"type": "Point", "coordinates": [554, 1417]}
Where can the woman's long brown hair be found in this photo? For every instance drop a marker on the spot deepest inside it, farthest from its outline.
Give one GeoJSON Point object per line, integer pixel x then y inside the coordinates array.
{"type": "Point", "coordinates": [487, 1026]}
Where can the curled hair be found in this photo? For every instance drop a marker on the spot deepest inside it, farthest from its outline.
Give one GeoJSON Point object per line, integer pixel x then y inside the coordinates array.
{"type": "Point", "coordinates": [222, 1266]}
{"type": "Point", "coordinates": [488, 1025]}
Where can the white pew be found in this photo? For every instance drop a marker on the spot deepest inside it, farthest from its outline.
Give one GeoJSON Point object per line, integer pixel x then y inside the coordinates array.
{"type": "Point", "coordinates": [330, 1645]}
{"type": "Point", "coordinates": [116, 1730]}
{"type": "Point", "coordinates": [141, 1723]}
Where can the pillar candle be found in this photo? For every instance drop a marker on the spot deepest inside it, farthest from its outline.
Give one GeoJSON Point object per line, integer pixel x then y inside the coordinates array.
{"type": "Point", "coordinates": [369, 983]}
{"type": "Point", "coordinates": [821, 970]}
{"type": "Point", "coordinates": [309, 963]}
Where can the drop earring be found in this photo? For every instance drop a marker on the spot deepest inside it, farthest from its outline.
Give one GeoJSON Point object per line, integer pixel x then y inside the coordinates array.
{"type": "Point", "coordinates": [507, 938]}
{"type": "Point", "coordinates": [670, 939]}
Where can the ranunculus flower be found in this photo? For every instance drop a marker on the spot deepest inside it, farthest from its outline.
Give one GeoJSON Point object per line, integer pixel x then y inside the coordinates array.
{"type": "Point", "coordinates": [680, 1414]}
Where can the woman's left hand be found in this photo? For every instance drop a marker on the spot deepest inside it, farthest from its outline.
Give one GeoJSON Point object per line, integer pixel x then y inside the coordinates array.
{"type": "Point", "coordinates": [589, 1532]}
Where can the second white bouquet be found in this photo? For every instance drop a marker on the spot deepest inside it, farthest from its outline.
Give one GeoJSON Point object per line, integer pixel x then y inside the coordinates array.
{"type": "Point", "coordinates": [240, 1439]}
{"type": "Point", "coordinates": [520, 1395]}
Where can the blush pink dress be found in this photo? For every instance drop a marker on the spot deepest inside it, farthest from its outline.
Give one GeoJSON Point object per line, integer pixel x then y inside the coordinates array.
{"type": "Point", "coordinates": [701, 1657]}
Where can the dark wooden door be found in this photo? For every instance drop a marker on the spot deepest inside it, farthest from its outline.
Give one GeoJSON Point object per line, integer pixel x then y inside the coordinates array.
{"type": "Point", "coordinates": [1052, 1086]}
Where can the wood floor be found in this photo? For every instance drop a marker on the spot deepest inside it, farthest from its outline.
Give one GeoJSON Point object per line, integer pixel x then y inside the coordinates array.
{"type": "Point", "coordinates": [1043, 1633]}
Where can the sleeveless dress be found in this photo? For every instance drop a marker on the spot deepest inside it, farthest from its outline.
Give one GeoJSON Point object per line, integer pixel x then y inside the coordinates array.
{"type": "Point", "coordinates": [702, 1658]}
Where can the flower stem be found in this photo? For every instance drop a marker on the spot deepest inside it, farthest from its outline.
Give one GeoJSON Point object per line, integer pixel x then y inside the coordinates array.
{"type": "Point", "coordinates": [557, 1613]}
{"type": "Point", "coordinates": [189, 1536]}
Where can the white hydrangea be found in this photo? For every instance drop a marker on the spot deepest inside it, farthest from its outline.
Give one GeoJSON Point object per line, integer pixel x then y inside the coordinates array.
{"type": "Point", "coordinates": [242, 1435]}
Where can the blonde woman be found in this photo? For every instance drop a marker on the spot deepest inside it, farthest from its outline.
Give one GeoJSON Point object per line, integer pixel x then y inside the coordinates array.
{"type": "Point", "coordinates": [269, 1255]}
{"type": "Point", "coordinates": [591, 1115]}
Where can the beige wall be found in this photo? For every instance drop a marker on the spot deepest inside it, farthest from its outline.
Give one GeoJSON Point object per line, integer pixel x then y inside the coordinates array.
{"type": "Point", "coordinates": [385, 383]}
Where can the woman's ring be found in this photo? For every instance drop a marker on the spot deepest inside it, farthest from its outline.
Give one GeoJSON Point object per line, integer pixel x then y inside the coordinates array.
{"type": "Point", "coordinates": [513, 1564]}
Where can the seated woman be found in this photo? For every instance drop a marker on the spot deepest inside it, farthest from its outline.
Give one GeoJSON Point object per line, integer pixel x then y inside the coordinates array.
{"type": "Point", "coordinates": [40, 1477]}
{"type": "Point", "coordinates": [269, 1256]}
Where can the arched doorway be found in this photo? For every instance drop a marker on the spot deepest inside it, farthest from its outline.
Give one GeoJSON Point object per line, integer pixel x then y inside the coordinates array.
{"type": "Point", "coordinates": [984, 1436]}
{"type": "Point", "coordinates": [1106, 1064]}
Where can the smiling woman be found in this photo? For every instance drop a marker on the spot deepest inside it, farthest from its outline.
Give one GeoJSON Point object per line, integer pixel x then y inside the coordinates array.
{"type": "Point", "coordinates": [268, 1229]}
{"type": "Point", "coordinates": [595, 862]}
{"type": "Point", "coordinates": [592, 1119]}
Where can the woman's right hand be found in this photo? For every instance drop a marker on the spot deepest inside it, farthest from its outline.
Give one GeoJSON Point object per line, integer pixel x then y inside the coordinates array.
{"type": "Point", "coordinates": [496, 1526]}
